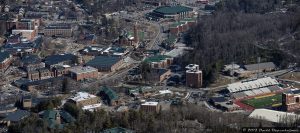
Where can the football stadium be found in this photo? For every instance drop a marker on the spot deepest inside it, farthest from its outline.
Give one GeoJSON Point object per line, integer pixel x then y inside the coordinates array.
{"type": "Point", "coordinates": [271, 100]}
{"type": "Point", "coordinates": [256, 93]}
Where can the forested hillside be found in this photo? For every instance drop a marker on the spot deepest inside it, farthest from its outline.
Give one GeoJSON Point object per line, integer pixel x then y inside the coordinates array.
{"type": "Point", "coordinates": [241, 30]}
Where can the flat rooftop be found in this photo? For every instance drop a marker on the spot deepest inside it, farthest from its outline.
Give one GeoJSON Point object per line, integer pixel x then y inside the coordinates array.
{"type": "Point", "coordinates": [91, 107]}
{"type": "Point", "coordinates": [80, 96]}
{"type": "Point", "coordinates": [273, 116]}
{"type": "Point", "coordinates": [103, 61]}
{"type": "Point", "coordinates": [150, 104]}
{"type": "Point", "coordinates": [58, 26]}
{"type": "Point", "coordinates": [80, 69]}
{"type": "Point", "coordinates": [172, 9]}
{"type": "Point", "coordinates": [156, 58]}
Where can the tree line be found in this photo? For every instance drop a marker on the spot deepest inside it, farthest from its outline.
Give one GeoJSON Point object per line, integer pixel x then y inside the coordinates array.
{"type": "Point", "coordinates": [186, 118]}
{"type": "Point", "coordinates": [240, 31]}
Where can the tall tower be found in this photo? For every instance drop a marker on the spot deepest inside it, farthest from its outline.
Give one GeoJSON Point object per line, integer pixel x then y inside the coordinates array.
{"type": "Point", "coordinates": [135, 32]}
{"type": "Point", "coordinates": [193, 76]}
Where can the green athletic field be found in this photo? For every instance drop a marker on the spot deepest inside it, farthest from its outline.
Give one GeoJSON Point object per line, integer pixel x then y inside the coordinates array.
{"type": "Point", "coordinates": [261, 102]}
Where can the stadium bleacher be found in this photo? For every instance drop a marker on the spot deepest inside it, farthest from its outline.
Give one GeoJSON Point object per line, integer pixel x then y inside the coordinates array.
{"type": "Point", "coordinates": [250, 85]}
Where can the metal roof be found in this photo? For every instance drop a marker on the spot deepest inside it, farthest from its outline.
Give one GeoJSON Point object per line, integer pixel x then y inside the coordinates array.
{"type": "Point", "coordinates": [30, 59]}
{"type": "Point", "coordinates": [80, 69]}
{"type": "Point", "coordinates": [273, 116]}
{"type": "Point", "coordinates": [172, 9]}
{"type": "Point", "coordinates": [4, 55]}
{"type": "Point", "coordinates": [103, 61]}
{"type": "Point", "coordinates": [55, 59]}
{"type": "Point", "coordinates": [110, 93]}
{"type": "Point", "coordinates": [265, 65]}
{"type": "Point", "coordinates": [17, 116]}
{"type": "Point", "coordinates": [156, 58]}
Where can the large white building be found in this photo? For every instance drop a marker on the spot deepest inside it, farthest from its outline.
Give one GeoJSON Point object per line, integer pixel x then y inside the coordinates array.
{"type": "Point", "coordinates": [86, 101]}
{"type": "Point", "coordinates": [253, 87]}
{"type": "Point", "coordinates": [252, 84]}
{"type": "Point", "coordinates": [274, 116]}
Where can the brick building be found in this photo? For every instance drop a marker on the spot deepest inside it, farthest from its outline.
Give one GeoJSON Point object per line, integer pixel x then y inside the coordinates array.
{"type": "Point", "coordinates": [159, 61]}
{"type": "Point", "coordinates": [61, 30]}
{"type": "Point", "coordinates": [85, 100]}
{"type": "Point", "coordinates": [60, 70]}
{"type": "Point", "coordinates": [150, 107]}
{"type": "Point", "coordinates": [193, 76]}
{"type": "Point", "coordinates": [5, 60]}
{"type": "Point", "coordinates": [33, 75]}
{"type": "Point", "coordinates": [60, 60]}
{"type": "Point", "coordinates": [27, 102]}
{"type": "Point", "coordinates": [291, 100]}
{"type": "Point", "coordinates": [14, 39]}
{"type": "Point", "coordinates": [105, 63]}
{"type": "Point", "coordinates": [158, 75]}
{"type": "Point", "coordinates": [28, 34]}
{"type": "Point", "coordinates": [109, 96]}
{"type": "Point", "coordinates": [51, 84]}
{"type": "Point", "coordinates": [181, 26]}
{"type": "Point", "coordinates": [80, 73]}
{"type": "Point", "coordinates": [27, 24]}
{"type": "Point", "coordinates": [31, 63]}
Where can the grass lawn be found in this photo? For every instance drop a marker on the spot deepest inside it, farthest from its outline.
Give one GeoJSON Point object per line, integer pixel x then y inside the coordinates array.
{"type": "Point", "coordinates": [260, 102]}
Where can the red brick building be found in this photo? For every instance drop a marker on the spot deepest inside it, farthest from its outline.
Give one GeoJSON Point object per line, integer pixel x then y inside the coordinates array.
{"type": "Point", "coordinates": [80, 73]}
{"type": "Point", "coordinates": [26, 24]}
{"type": "Point", "coordinates": [5, 60]}
{"type": "Point", "coordinates": [150, 107]}
{"type": "Point", "coordinates": [291, 100]}
{"type": "Point", "coordinates": [193, 76]}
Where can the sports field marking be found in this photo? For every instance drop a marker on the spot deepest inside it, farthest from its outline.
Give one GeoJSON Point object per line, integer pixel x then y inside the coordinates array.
{"type": "Point", "coordinates": [258, 97]}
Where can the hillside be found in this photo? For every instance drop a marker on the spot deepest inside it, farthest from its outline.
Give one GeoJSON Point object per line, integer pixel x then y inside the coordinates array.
{"type": "Point", "coordinates": [242, 30]}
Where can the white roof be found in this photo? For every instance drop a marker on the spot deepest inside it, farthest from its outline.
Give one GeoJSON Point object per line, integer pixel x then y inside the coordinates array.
{"type": "Point", "coordinates": [253, 84]}
{"type": "Point", "coordinates": [80, 96]}
{"type": "Point", "coordinates": [192, 66]}
{"type": "Point", "coordinates": [107, 50]}
{"type": "Point", "coordinates": [17, 31]}
{"type": "Point", "coordinates": [165, 92]}
{"type": "Point", "coordinates": [150, 103]}
{"type": "Point", "coordinates": [80, 69]}
{"type": "Point", "coordinates": [273, 116]}
{"type": "Point", "coordinates": [231, 66]}
{"type": "Point", "coordinates": [91, 107]}
{"type": "Point", "coordinates": [176, 52]}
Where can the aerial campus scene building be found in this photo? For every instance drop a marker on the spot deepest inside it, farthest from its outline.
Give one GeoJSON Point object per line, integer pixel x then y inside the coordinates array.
{"type": "Point", "coordinates": [149, 66]}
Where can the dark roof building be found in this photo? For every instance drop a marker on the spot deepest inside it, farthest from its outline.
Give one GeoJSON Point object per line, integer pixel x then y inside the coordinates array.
{"type": "Point", "coordinates": [105, 63]}
{"type": "Point", "coordinates": [61, 59]}
{"type": "Point", "coordinates": [158, 74]}
{"type": "Point", "coordinates": [15, 116]}
{"type": "Point", "coordinates": [23, 47]}
{"type": "Point", "coordinates": [109, 95]}
{"type": "Point", "coordinates": [3, 56]}
{"type": "Point", "coordinates": [267, 66]}
{"type": "Point", "coordinates": [53, 119]}
{"type": "Point", "coordinates": [172, 11]}
{"type": "Point", "coordinates": [30, 59]}
{"type": "Point", "coordinates": [68, 118]}
{"type": "Point", "coordinates": [5, 60]}
{"type": "Point", "coordinates": [31, 62]}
